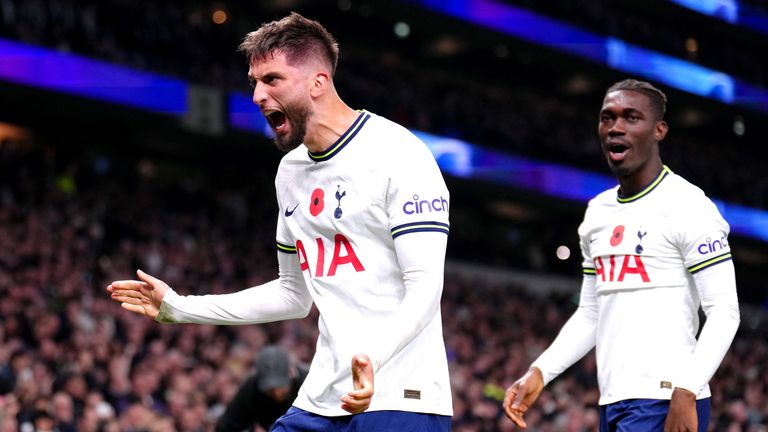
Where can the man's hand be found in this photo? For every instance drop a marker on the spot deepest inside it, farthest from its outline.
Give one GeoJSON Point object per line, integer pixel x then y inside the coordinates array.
{"type": "Point", "coordinates": [359, 400]}
{"type": "Point", "coordinates": [522, 394]}
{"type": "Point", "coordinates": [682, 412]}
{"type": "Point", "coordinates": [140, 296]}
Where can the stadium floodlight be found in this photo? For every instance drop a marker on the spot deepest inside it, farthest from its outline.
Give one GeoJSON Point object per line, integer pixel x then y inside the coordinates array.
{"type": "Point", "coordinates": [612, 52]}
{"type": "Point", "coordinates": [731, 11]}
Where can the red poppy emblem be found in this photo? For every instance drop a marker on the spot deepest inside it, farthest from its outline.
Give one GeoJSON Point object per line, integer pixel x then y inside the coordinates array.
{"type": "Point", "coordinates": [316, 204]}
{"type": "Point", "coordinates": [618, 235]}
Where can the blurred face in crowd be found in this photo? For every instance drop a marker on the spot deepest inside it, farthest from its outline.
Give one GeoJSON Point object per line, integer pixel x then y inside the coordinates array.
{"type": "Point", "coordinates": [630, 130]}
{"type": "Point", "coordinates": [281, 90]}
{"type": "Point", "coordinates": [279, 394]}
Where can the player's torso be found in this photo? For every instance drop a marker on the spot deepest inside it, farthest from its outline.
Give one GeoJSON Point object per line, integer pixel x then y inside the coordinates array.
{"type": "Point", "coordinates": [334, 211]}
{"type": "Point", "coordinates": [647, 307]}
{"type": "Point", "coordinates": [632, 246]}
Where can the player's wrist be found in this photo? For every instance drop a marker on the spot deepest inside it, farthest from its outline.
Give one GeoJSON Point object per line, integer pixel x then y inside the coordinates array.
{"type": "Point", "coordinates": [683, 394]}
{"type": "Point", "coordinates": [535, 370]}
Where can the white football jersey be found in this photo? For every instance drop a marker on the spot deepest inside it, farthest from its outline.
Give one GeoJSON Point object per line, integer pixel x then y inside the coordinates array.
{"type": "Point", "coordinates": [640, 253]}
{"type": "Point", "coordinates": [340, 213]}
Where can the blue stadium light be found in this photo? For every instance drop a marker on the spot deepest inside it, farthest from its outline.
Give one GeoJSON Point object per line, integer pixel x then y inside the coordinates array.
{"type": "Point", "coordinates": [245, 116]}
{"type": "Point", "coordinates": [726, 10]}
{"type": "Point", "coordinates": [609, 51]}
{"type": "Point", "coordinates": [72, 74]}
{"type": "Point", "coordinates": [731, 11]}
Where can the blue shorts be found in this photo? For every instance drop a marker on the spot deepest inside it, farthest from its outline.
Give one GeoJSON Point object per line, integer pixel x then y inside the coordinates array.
{"type": "Point", "coordinates": [298, 420]}
{"type": "Point", "coordinates": [644, 415]}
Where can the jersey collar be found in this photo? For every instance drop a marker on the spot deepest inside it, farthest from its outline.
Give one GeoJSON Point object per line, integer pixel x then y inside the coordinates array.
{"type": "Point", "coordinates": [343, 140]}
{"type": "Point", "coordinates": [665, 171]}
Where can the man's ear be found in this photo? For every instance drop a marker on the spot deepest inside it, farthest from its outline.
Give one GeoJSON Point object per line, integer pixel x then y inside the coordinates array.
{"type": "Point", "coordinates": [319, 84]}
{"type": "Point", "coordinates": [661, 130]}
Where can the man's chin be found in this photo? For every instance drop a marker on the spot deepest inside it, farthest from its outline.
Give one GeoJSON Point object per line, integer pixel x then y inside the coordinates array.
{"type": "Point", "coordinates": [616, 167]}
{"type": "Point", "coordinates": [287, 143]}
{"type": "Point", "coordinates": [620, 169]}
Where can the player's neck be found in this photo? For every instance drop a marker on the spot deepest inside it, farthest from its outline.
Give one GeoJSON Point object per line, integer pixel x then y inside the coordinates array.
{"type": "Point", "coordinates": [636, 182]}
{"type": "Point", "coordinates": [329, 122]}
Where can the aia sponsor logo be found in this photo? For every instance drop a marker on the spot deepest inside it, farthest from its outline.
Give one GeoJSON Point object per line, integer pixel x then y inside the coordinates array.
{"type": "Point", "coordinates": [615, 268]}
{"type": "Point", "coordinates": [343, 254]}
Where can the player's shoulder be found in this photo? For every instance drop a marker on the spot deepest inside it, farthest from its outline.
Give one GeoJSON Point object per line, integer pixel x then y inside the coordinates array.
{"type": "Point", "coordinates": [297, 154]}
{"type": "Point", "coordinates": [290, 166]}
{"type": "Point", "coordinates": [293, 158]}
{"type": "Point", "coordinates": [393, 136]}
{"type": "Point", "coordinates": [606, 198]}
{"type": "Point", "coordinates": [689, 203]}
{"type": "Point", "coordinates": [679, 193]}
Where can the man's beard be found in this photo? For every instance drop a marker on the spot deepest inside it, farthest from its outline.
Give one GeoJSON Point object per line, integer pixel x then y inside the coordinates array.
{"type": "Point", "coordinates": [298, 117]}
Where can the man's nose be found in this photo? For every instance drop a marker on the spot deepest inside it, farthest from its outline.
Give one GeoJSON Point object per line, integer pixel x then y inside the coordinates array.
{"type": "Point", "coordinates": [259, 94]}
{"type": "Point", "coordinates": [617, 128]}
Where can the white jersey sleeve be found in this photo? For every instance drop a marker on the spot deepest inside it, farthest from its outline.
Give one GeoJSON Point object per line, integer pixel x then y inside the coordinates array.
{"type": "Point", "coordinates": [422, 258]}
{"type": "Point", "coordinates": [578, 335]}
{"type": "Point", "coordinates": [417, 204]}
{"type": "Point", "coordinates": [576, 338]}
{"type": "Point", "coordinates": [703, 242]}
{"type": "Point", "coordinates": [717, 289]}
{"type": "Point", "coordinates": [703, 236]}
{"type": "Point", "coordinates": [281, 299]}
{"type": "Point", "coordinates": [417, 199]}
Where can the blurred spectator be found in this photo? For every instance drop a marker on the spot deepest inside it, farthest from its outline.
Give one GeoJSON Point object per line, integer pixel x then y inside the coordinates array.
{"type": "Point", "coordinates": [266, 394]}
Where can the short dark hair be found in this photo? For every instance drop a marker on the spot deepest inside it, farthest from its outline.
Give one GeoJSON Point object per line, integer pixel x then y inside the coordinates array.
{"type": "Point", "coordinates": [657, 97]}
{"type": "Point", "coordinates": [294, 35]}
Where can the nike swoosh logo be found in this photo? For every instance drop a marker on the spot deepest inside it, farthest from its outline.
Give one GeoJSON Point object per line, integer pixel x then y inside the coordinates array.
{"type": "Point", "coordinates": [288, 213]}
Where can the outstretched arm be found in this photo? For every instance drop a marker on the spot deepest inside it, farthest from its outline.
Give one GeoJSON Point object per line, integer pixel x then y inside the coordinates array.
{"type": "Point", "coordinates": [143, 296]}
{"type": "Point", "coordinates": [284, 298]}
{"type": "Point", "coordinates": [576, 338]}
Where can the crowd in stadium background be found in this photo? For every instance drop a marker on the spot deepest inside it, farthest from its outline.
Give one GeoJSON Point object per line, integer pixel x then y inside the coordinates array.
{"type": "Point", "coordinates": [69, 225]}
{"type": "Point", "coordinates": [67, 350]}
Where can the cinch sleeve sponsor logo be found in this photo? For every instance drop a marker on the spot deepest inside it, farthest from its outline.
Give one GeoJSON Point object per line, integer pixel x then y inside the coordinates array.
{"type": "Point", "coordinates": [710, 246]}
{"type": "Point", "coordinates": [418, 205]}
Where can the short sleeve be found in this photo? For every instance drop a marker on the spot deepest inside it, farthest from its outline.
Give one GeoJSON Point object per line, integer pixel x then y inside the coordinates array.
{"type": "Point", "coordinates": [587, 263]}
{"type": "Point", "coordinates": [284, 240]}
{"type": "Point", "coordinates": [703, 239]}
{"type": "Point", "coordinates": [417, 199]}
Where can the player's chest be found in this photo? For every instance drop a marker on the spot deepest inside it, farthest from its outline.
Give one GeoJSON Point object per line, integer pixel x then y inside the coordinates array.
{"type": "Point", "coordinates": [627, 233]}
{"type": "Point", "coordinates": [332, 199]}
